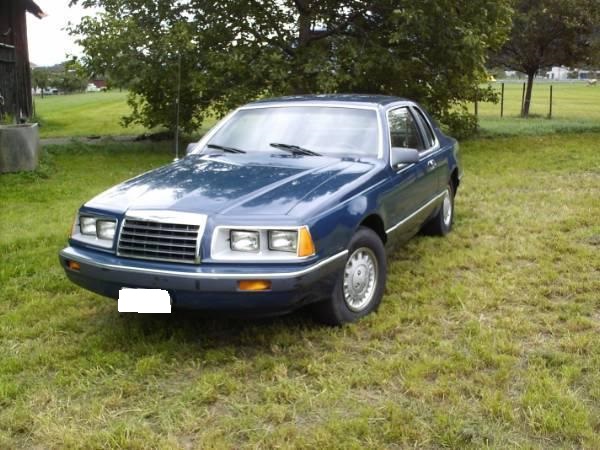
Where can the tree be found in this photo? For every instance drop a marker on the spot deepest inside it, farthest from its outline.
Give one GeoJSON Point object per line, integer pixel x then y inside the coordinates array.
{"type": "Point", "coordinates": [433, 51]}
{"type": "Point", "coordinates": [41, 78]}
{"type": "Point", "coordinates": [72, 78]}
{"type": "Point", "coordinates": [546, 33]}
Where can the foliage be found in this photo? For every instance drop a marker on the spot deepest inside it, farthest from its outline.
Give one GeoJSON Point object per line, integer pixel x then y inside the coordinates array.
{"type": "Point", "coordinates": [485, 339]}
{"type": "Point", "coordinates": [68, 77]}
{"type": "Point", "coordinates": [546, 33]}
{"type": "Point", "coordinates": [460, 123]}
{"type": "Point", "coordinates": [41, 78]}
{"type": "Point", "coordinates": [432, 51]}
{"type": "Point", "coordinates": [74, 78]}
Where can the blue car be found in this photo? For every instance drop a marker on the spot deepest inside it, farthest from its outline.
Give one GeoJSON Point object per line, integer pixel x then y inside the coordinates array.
{"type": "Point", "coordinates": [285, 203]}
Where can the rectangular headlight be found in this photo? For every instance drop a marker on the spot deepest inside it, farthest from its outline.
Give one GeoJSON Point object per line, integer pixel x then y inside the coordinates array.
{"type": "Point", "coordinates": [283, 240]}
{"type": "Point", "coordinates": [244, 241]}
{"type": "Point", "coordinates": [87, 225]}
{"type": "Point", "coordinates": [105, 229]}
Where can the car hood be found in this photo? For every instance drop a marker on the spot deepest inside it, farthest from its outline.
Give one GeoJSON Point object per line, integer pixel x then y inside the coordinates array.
{"type": "Point", "coordinates": [232, 184]}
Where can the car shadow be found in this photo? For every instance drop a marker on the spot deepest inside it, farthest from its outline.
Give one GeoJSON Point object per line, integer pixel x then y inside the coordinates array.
{"type": "Point", "coordinates": [192, 330]}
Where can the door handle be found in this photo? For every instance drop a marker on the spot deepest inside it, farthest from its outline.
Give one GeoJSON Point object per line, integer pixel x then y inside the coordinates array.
{"type": "Point", "coordinates": [431, 164]}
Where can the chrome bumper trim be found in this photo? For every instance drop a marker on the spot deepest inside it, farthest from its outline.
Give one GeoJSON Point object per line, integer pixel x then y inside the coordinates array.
{"type": "Point", "coordinates": [65, 253]}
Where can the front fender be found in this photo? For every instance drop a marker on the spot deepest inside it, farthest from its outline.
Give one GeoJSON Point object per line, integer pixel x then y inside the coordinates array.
{"type": "Point", "coordinates": [333, 229]}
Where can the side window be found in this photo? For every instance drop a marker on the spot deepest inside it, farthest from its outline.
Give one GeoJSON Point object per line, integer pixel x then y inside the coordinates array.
{"type": "Point", "coordinates": [429, 137]}
{"type": "Point", "coordinates": [403, 129]}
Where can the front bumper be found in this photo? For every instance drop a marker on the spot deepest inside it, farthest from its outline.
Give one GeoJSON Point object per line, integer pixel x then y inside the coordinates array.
{"type": "Point", "coordinates": [208, 286]}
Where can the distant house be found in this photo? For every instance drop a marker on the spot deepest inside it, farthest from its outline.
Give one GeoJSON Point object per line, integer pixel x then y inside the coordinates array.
{"type": "Point", "coordinates": [558, 73]}
{"type": "Point", "coordinates": [15, 70]}
{"type": "Point", "coordinates": [99, 83]}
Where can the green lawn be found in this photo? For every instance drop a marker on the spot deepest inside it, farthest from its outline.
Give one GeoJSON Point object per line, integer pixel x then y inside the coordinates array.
{"type": "Point", "coordinates": [575, 108]}
{"type": "Point", "coordinates": [488, 337]}
{"type": "Point", "coordinates": [89, 114]}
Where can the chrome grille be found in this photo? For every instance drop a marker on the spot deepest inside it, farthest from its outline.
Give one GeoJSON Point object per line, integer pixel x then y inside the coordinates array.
{"type": "Point", "coordinates": [147, 239]}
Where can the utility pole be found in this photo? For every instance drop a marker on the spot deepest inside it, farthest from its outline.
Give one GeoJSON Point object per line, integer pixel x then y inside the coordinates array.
{"type": "Point", "coordinates": [177, 106]}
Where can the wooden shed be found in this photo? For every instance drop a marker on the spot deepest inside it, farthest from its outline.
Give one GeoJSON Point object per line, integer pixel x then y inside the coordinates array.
{"type": "Point", "coordinates": [15, 71]}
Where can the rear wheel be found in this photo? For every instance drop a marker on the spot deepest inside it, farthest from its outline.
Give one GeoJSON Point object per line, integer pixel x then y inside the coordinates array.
{"type": "Point", "coordinates": [441, 223]}
{"type": "Point", "coordinates": [360, 285]}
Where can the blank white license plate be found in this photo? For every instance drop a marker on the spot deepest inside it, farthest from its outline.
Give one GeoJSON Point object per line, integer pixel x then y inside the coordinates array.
{"type": "Point", "coordinates": [144, 300]}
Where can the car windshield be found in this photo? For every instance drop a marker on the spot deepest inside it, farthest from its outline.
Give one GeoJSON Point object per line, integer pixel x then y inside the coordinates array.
{"type": "Point", "coordinates": [301, 130]}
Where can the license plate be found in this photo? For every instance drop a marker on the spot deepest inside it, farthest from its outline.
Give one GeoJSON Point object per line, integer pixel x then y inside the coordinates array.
{"type": "Point", "coordinates": [144, 301]}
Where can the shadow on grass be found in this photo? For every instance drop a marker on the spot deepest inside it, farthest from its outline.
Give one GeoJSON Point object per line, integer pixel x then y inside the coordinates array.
{"type": "Point", "coordinates": [198, 332]}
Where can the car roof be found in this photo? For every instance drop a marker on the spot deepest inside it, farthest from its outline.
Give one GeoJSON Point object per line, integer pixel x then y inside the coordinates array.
{"type": "Point", "coordinates": [348, 99]}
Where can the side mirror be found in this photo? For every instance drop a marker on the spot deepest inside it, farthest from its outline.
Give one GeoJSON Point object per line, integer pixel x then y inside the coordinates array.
{"type": "Point", "coordinates": [191, 147]}
{"type": "Point", "coordinates": [404, 156]}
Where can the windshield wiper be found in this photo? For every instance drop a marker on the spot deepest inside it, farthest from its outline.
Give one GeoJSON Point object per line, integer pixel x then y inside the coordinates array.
{"type": "Point", "coordinates": [225, 148]}
{"type": "Point", "coordinates": [295, 149]}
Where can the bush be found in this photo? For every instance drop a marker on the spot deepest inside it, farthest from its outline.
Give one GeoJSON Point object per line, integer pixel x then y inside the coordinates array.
{"type": "Point", "coordinates": [460, 124]}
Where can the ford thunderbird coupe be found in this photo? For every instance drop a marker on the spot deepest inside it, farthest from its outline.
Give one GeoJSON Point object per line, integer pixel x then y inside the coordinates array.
{"type": "Point", "coordinates": [285, 203]}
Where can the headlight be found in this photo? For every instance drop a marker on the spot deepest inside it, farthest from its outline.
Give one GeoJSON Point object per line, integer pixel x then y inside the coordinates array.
{"type": "Point", "coordinates": [244, 241]}
{"type": "Point", "coordinates": [88, 225]}
{"type": "Point", "coordinates": [266, 243]}
{"type": "Point", "coordinates": [95, 230]}
{"type": "Point", "coordinates": [283, 241]}
{"type": "Point", "coordinates": [105, 229]}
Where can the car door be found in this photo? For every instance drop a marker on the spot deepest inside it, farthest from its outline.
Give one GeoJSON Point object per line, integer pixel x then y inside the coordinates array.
{"type": "Point", "coordinates": [436, 162]}
{"type": "Point", "coordinates": [414, 185]}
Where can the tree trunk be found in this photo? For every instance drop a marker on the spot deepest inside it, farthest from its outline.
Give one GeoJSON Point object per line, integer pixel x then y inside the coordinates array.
{"type": "Point", "coordinates": [527, 102]}
{"type": "Point", "coordinates": [304, 29]}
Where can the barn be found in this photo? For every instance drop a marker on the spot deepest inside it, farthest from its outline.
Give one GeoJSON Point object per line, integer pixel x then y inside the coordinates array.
{"type": "Point", "coordinates": [15, 71]}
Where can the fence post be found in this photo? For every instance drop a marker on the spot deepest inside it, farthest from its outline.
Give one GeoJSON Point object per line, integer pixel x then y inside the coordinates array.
{"type": "Point", "coordinates": [502, 101]}
{"type": "Point", "coordinates": [523, 100]}
{"type": "Point", "coordinates": [550, 111]}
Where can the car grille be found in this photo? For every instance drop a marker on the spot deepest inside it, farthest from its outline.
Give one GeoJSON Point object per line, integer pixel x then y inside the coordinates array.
{"type": "Point", "coordinates": [161, 241]}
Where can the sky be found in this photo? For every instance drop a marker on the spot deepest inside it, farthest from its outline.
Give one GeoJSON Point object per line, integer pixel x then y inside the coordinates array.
{"type": "Point", "coordinates": [49, 42]}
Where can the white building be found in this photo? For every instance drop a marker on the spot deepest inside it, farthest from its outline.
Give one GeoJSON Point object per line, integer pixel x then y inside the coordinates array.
{"type": "Point", "coordinates": [558, 73]}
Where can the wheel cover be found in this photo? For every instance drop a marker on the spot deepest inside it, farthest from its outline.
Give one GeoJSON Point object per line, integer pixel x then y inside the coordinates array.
{"type": "Point", "coordinates": [360, 279]}
{"type": "Point", "coordinates": [447, 208]}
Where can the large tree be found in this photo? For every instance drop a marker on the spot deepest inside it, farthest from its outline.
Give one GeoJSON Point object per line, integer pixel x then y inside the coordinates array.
{"type": "Point", "coordinates": [547, 33]}
{"type": "Point", "coordinates": [230, 51]}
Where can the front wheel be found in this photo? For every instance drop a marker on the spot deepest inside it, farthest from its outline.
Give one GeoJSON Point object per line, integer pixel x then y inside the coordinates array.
{"type": "Point", "coordinates": [360, 285]}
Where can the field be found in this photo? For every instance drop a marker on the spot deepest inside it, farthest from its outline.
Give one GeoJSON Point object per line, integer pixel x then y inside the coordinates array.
{"type": "Point", "coordinates": [80, 115]}
{"type": "Point", "coordinates": [575, 108]}
{"type": "Point", "coordinates": [89, 114]}
{"type": "Point", "coordinates": [488, 337]}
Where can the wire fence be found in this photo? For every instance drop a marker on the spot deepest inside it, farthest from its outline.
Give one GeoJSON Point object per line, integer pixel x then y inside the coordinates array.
{"type": "Point", "coordinates": [548, 99]}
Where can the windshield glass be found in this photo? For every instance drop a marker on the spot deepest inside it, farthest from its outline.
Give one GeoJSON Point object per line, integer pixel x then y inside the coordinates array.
{"type": "Point", "coordinates": [323, 130]}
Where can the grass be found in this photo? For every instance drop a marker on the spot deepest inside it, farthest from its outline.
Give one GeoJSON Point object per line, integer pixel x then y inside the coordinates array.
{"type": "Point", "coordinates": [488, 337]}
{"type": "Point", "coordinates": [575, 108]}
{"type": "Point", "coordinates": [89, 114]}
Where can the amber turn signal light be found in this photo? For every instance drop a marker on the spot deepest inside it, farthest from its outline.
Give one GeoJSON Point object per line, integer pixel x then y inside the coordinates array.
{"type": "Point", "coordinates": [306, 247]}
{"type": "Point", "coordinates": [254, 285]}
{"type": "Point", "coordinates": [73, 265]}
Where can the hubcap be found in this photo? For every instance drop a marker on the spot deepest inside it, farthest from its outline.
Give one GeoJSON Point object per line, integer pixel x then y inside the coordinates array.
{"type": "Point", "coordinates": [447, 208]}
{"type": "Point", "coordinates": [360, 279]}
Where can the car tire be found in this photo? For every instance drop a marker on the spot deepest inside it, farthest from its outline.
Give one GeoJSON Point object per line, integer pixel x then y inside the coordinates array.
{"type": "Point", "coordinates": [441, 223]}
{"type": "Point", "coordinates": [360, 285]}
